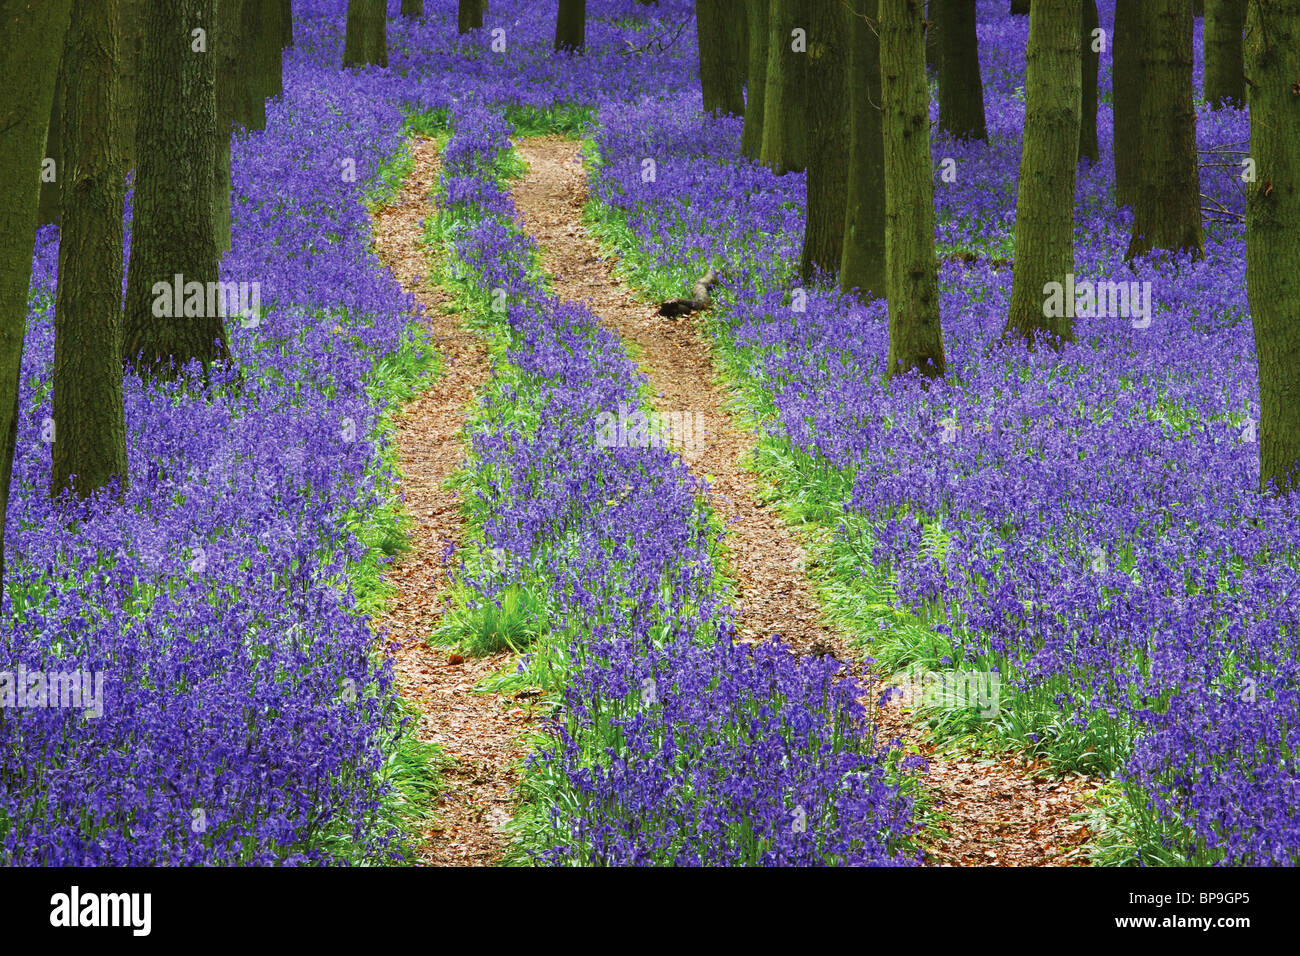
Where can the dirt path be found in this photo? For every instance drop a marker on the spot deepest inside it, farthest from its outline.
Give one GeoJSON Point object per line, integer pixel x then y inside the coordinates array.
{"type": "Point", "coordinates": [996, 813]}
{"type": "Point", "coordinates": [479, 733]}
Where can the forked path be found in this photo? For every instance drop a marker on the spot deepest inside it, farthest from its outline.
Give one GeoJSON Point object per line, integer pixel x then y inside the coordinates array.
{"type": "Point", "coordinates": [480, 734]}
{"type": "Point", "coordinates": [996, 813]}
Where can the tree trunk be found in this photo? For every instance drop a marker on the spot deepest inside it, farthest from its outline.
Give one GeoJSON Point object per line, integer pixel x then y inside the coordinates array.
{"type": "Point", "coordinates": [131, 50]}
{"type": "Point", "coordinates": [286, 23]}
{"type": "Point", "coordinates": [1020, 7]}
{"type": "Point", "coordinates": [828, 147]}
{"type": "Point", "coordinates": [751, 142]}
{"type": "Point", "coordinates": [414, 8]}
{"type": "Point", "coordinates": [911, 272]}
{"type": "Point", "coordinates": [1088, 146]}
{"type": "Point", "coordinates": [1045, 198]}
{"type": "Point", "coordinates": [1126, 41]}
{"type": "Point", "coordinates": [469, 15]}
{"type": "Point", "coordinates": [249, 108]}
{"type": "Point", "coordinates": [1273, 232]}
{"type": "Point", "coordinates": [228, 43]}
{"type": "Point", "coordinates": [90, 439]}
{"type": "Point", "coordinates": [1225, 79]}
{"type": "Point", "coordinates": [571, 26]}
{"type": "Point", "coordinates": [863, 265]}
{"type": "Point", "coordinates": [172, 231]}
{"type": "Point", "coordinates": [51, 191]}
{"type": "Point", "coordinates": [721, 75]}
{"type": "Point", "coordinates": [1167, 213]}
{"type": "Point", "coordinates": [366, 41]}
{"type": "Point", "coordinates": [269, 46]}
{"type": "Point", "coordinates": [29, 63]}
{"type": "Point", "coordinates": [933, 51]}
{"type": "Point", "coordinates": [961, 91]}
{"type": "Point", "coordinates": [785, 140]}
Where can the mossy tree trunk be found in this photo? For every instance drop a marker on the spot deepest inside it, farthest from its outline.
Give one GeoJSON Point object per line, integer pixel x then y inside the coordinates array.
{"type": "Point", "coordinates": [961, 90]}
{"type": "Point", "coordinates": [412, 8]}
{"type": "Point", "coordinates": [286, 24]}
{"type": "Point", "coordinates": [130, 53]}
{"type": "Point", "coordinates": [29, 62]}
{"type": "Point", "coordinates": [469, 15]}
{"type": "Point", "coordinates": [1088, 147]}
{"type": "Point", "coordinates": [89, 450]}
{"type": "Point", "coordinates": [227, 44]}
{"type": "Point", "coordinates": [721, 72]}
{"type": "Point", "coordinates": [863, 264]}
{"type": "Point", "coordinates": [1049, 151]}
{"type": "Point", "coordinates": [366, 40]}
{"type": "Point", "coordinates": [51, 191]}
{"type": "Point", "coordinates": [751, 141]}
{"type": "Point", "coordinates": [172, 231]}
{"type": "Point", "coordinates": [933, 52]}
{"type": "Point", "coordinates": [785, 138]}
{"type": "Point", "coordinates": [911, 272]}
{"type": "Point", "coordinates": [1167, 207]}
{"type": "Point", "coordinates": [1128, 87]}
{"type": "Point", "coordinates": [1272, 53]}
{"type": "Point", "coordinates": [571, 26]}
{"type": "Point", "coordinates": [1020, 7]}
{"type": "Point", "coordinates": [1225, 77]}
{"type": "Point", "coordinates": [828, 139]}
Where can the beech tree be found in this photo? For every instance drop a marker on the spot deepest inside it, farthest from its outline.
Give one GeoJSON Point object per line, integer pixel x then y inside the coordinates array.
{"type": "Point", "coordinates": [785, 136]}
{"type": "Point", "coordinates": [412, 8]}
{"type": "Point", "coordinates": [1044, 247]}
{"type": "Point", "coordinates": [863, 264]}
{"type": "Point", "coordinates": [756, 26]}
{"type": "Point", "coordinates": [961, 90]}
{"type": "Point", "coordinates": [1128, 82]}
{"type": "Point", "coordinates": [571, 26]}
{"type": "Point", "coordinates": [172, 231]}
{"type": "Point", "coordinates": [1225, 77]}
{"type": "Point", "coordinates": [1167, 202]}
{"type": "Point", "coordinates": [911, 271]}
{"type": "Point", "coordinates": [469, 15]}
{"type": "Point", "coordinates": [29, 62]}
{"type": "Point", "coordinates": [828, 146]}
{"type": "Point", "coordinates": [719, 29]}
{"type": "Point", "coordinates": [1273, 232]}
{"type": "Point", "coordinates": [1090, 44]}
{"type": "Point", "coordinates": [366, 40]}
{"type": "Point", "coordinates": [90, 446]}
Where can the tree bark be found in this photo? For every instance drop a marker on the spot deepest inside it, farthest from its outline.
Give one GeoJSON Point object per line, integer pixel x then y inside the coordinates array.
{"type": "Point", "coordinates": [29, 62]}
{"type": "Point", "coordinates": [131, 51]}
{"type": "Point", "coordinates": [469, 15]}
{"type": "Point", "coordinates": [911, 272]}
{"type": "Point", "coordinates": [1272, 52]}
{"type": "Point", "coordinates": [751, 141]}
{"type": "Point", "coordinates": [172, 231]}
{"type": "Point", "coordinates": [785, 139]}
{"type": "Point", "coordinates": [1020, 7]}
{"type": "Point", "coordinates": [413, 8]}
{"type": "Point", "coordinates": [863, 264]}
{"type": "Point", "coordinates": [961, 90]}
{"type": "Point", "coordinates": [1089, 149]}
{"type": "Point", "coordinates": [270, 48]}
{"type": "Point", "coordinates": [286, 23]}
{"type": "Point", "coordinates": [366, 41]}
{"type": "Point", "coordinates": [571, 26]}
{"type": "Point", "coordinates": [1045, 198]}
{"type": "Point", "coordinates": [828, 147]}
{"type": "Point", "coordinates": [1126, 44]}
{"type": "Point", "coordinates": [721, 74]}
{"type": "Point", "coordinates": [933, 51]}
{"type": "Point", "coordinates": [1225, 78]}
{"type": "Point", "coordinates": [249, 108]}
{"type": "Point", "coordinates": [51, 190]}
{"type": "Point", "coordinates": [89, 450]}
{"type": "Point", "coordinates": [1167, 211]}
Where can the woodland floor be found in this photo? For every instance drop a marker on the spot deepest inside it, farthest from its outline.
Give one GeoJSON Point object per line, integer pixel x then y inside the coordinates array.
{"type": "Point", "coordinates": [993, 810]}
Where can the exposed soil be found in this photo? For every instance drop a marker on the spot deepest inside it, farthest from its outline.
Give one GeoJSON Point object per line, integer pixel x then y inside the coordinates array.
{"type": "Point", "coordinates": [996, 812]}
{"type": "Point", "coordinates": [480, 734]}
